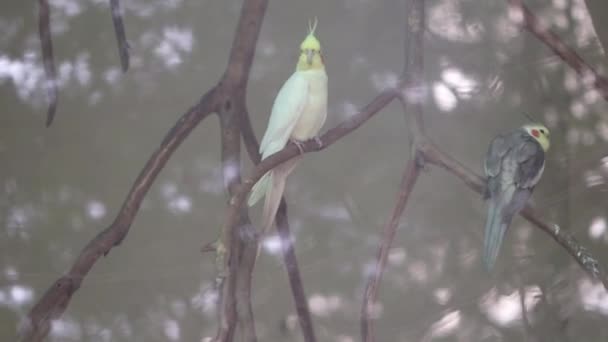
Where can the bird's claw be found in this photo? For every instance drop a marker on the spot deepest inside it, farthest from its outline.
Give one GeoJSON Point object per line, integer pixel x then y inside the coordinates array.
{"type": "Point", "coordinates": [318, 141]}
{"type": "Point", "coordinates": [299, 145]}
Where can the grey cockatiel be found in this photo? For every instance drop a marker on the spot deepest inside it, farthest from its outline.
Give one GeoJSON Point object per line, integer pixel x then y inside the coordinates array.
{"type": "Point", "coordinates": [514, 164]}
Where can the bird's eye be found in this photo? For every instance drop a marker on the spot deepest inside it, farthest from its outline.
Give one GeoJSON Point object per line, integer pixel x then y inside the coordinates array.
{"type": "Point", "coordinates": [542, 131]}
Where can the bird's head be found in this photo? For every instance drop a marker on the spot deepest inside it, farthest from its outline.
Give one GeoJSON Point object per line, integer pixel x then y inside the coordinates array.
{"type": "Point", "coordinates": [310, 50]}
{"type": "Point", "coordinates": [540, 133]}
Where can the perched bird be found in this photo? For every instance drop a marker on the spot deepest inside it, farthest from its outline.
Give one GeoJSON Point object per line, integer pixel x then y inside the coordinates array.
{"type": "Point", "coordinates": [298, 113]}
{"type": "Point", "coordinates": [513, 166]}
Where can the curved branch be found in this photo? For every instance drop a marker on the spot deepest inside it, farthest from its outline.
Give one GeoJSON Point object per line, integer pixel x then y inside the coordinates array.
{"type": "Point", "coordinates": [411, 95]}
{"type": "Point", "coordinates": [566, 53]}
{"type": "Point", "coordinates": [55, 300]}
{"type": "Point", "coordinates": [372, 287]}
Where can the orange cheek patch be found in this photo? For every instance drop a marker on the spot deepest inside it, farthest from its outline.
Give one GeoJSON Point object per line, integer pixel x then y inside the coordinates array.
{"type": "Point", "coordinates": [535, 133]}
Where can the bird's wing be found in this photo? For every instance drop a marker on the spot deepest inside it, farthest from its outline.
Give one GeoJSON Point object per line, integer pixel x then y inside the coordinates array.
{"type": "Point", "coordinates": [496, 152]}
{"type": "Point", "coordinates": [288, 106]}
{"type": "Point", "coordinates": [531, 163]}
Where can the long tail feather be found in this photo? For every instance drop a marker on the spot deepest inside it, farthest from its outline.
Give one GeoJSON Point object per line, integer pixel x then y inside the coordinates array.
{"type": "Point", "coordinates": [259, 189]}
{"type": "Point", "coordinates": [274, 194]}
{"type": "Point", "coordinates": [494, 233]}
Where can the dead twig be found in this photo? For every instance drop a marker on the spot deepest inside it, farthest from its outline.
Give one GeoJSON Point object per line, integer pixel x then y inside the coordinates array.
{"type": "Point", "coordinates": [561, 49]}
{"type": "Point", "coordinates": [121, 36]}
{"type": "Point", "coordinates": [48, 60]}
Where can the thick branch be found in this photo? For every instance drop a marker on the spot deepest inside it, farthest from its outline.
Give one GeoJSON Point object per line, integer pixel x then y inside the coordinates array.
{"type": "Point", "coordinates": [55, 300]}
{"type": "Point", "coordinates": [235, 301]}
{"type": "Point", "coordinates": [566, 53]}
{"type": "Point", "coordinates": [239, 241]}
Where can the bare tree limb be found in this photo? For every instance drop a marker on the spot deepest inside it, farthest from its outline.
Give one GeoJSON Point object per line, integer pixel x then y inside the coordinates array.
{"type": "Point", "coordinates": [55, 300]}
{"type": "Point", "coordinates": [566, 53]}
{"type": "Point", "coordinates": [121, 36]}
{"type": "Point", "coordinates": [237, 295]}
{"type": "Point", "coordinates": [239, 241]}
{"type": "Point", "coordinates": [293, 272]}
{"type": "Point", "coordinates": [48, 60]}
{"type": "Point", "coordinates": [372, 287]}
{"type": "Point", "coordinates": [233, 84]}
{"type": "Point", "coordinates": [412, 96]}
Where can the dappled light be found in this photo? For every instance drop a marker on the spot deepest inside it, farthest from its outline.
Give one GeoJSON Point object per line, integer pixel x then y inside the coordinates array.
{"type": "Point", "coordinates": [127, 218]}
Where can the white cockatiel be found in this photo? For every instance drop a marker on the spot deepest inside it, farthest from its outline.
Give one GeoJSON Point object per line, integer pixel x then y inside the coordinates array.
{"type": "Point", "coordinates": [298, 113]}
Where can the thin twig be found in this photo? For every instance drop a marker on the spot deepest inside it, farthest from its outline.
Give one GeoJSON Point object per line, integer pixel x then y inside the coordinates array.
{"type": "Point", "coordinates": [121, 36]}
{"type": "Point", "coordinates": [293, 272]}
{"type": "Point", "coordinates": [408, 180]}
{"type": "Point", "coordinates": [48, 60]}
{"type": "Point", "coordinates": [412, 97]}
{"type": "Point", "coordinates": [561, 49]}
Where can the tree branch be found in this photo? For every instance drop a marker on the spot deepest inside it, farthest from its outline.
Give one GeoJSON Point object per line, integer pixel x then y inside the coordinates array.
{"type": "Point", "coordinates": [370, 296]}
{"type": "Point", "coordinates": [412, 94]}
{"type": "Point", "coordinates": [566, 53]}
{"type": "Point", "coordinates": [239, 241]}
{"type": "Point", "coordinates": [48, 60]}
{"type": "Point", "coordinates": [121, 36]}
{"type": "Point", "coordinates": [233, 84]}
{"type": "Point", "coordinates": [293, 273]}
{"type": "Point", "coordinates": [55, 300]}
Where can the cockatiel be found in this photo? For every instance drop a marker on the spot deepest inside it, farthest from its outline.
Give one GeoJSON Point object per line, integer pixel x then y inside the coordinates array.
{"type": "Point", "coordinates": [513, 166]}
{"type": "Point", "coordinates": [298, 113]}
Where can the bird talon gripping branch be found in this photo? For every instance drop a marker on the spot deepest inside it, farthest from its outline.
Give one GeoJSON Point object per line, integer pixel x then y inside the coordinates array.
{"type": "Point", "coordinates": [318, 141]}
{"type": "Point", "coordinates": [299, 145]}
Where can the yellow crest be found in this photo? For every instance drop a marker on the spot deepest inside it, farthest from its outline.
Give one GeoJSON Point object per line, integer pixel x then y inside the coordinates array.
{"type": "Point", "coordinates": [310, 50]}
{"type": "Point", "coordinates": [311, 42]}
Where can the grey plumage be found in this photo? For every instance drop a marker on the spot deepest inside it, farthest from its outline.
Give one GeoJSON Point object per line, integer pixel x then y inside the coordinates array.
{"type": "Point", "coordinates": [513, 166]}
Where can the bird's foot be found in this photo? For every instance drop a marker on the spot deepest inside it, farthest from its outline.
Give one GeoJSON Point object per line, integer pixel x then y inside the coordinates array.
{"type": "Point", "coordinates": [318, 141]}
{"type": "Point", "coordinates": [299, 145]}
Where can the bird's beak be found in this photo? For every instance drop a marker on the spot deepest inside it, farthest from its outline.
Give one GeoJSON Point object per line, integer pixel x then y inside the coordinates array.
{"type": "Point", "coordinates": [309, 55]}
